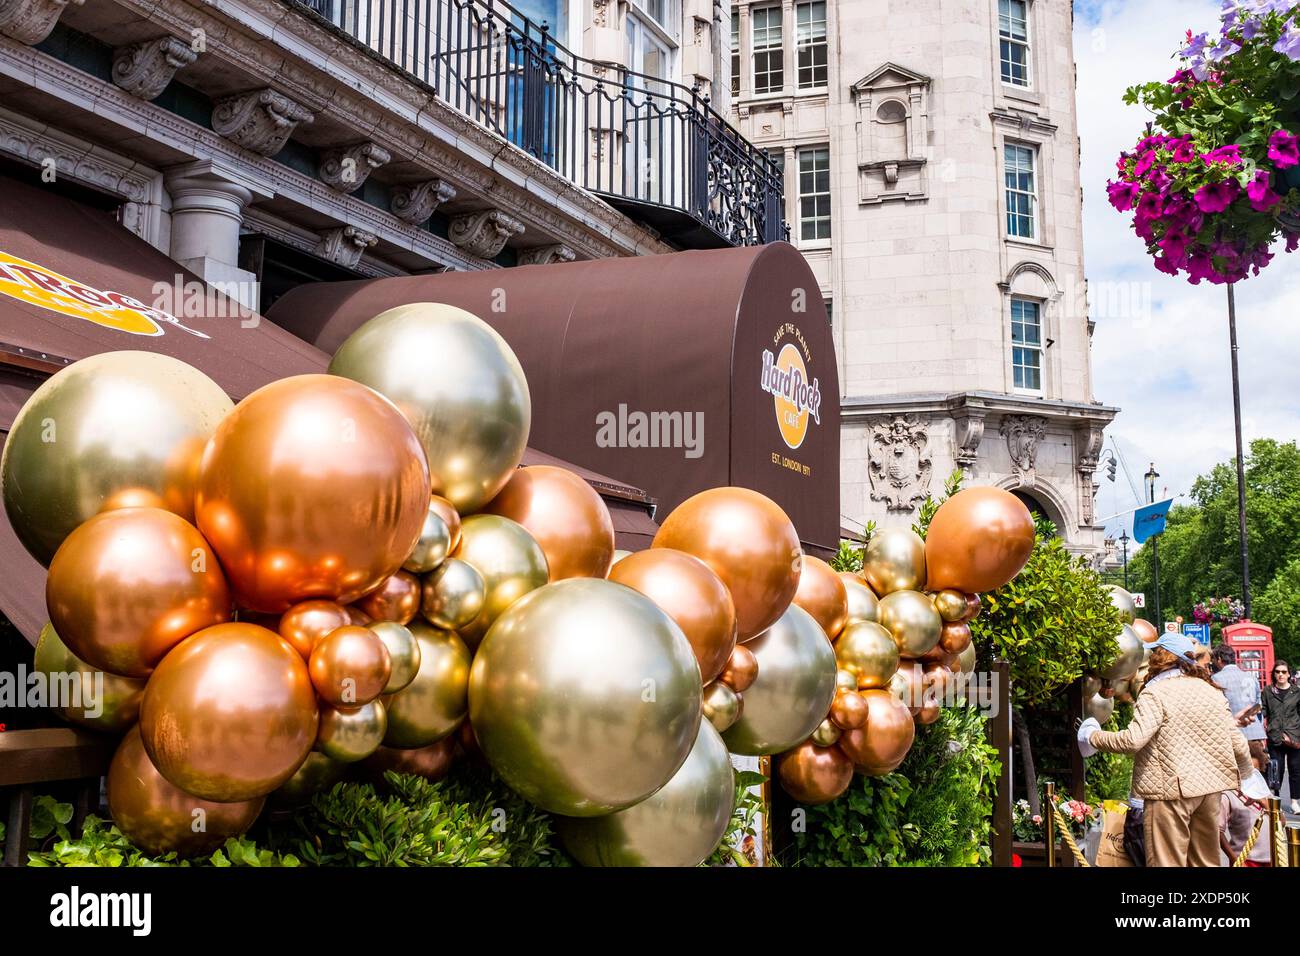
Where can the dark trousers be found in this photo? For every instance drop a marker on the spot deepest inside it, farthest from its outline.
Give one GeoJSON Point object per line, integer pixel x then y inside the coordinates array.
{"type": "Point", "coordinates": [1284, 759]}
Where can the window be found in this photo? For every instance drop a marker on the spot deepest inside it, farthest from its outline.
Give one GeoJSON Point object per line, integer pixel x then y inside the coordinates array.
{"type": "Point", "coordinates": [1022, 196]}
{"type": "Point", "coordinates": [815, 193]}
{"type": "Point", "coordinates": [660, 11]}
{"type": "Point", "coordinates": [1026, 345]}
{"type": "Point", "coordinates": [830, 312]}
{"type": "Point", "coordinates": [810, 20]}
{"type": "Point", "coordinates": [768, 70]}
{"type": "Point", "coordinates": [735, 54]}
{"type": "Point", "coordinates": [1013, 41]}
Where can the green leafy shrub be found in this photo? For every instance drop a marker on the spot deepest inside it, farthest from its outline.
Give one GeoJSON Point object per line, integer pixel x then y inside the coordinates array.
{"type": "Point", "coordinates": [102, 844]}
{"type": "Point", "coordinates": [737, 844]}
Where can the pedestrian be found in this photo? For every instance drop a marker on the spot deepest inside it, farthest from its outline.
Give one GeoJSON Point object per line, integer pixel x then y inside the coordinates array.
{"type": "Point", "coordinates": [1187, 751]}
{"type": "Point", "coordinates": [1282, 722]}
{"type": "Point", "coordinates": [1237, 819]}
{"type": "Point", "coordinates": [1243, 692]}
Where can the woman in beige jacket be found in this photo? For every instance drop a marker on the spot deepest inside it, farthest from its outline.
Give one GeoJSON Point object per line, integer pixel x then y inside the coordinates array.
{"type": "Point", "coordinates": [1187, 751]}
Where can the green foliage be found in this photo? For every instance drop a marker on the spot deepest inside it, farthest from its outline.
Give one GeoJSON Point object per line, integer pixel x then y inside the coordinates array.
{"type": "Point", "coordinates": [102, 844]}
{"type": "Point", "coordinates": [1278, 606]}
{"type": "Point", "coordinates": [737, 844]}
{"type": "Point", "coordinates": [951, 485]}
{"type": "Point", "coordinates": [848, 558]}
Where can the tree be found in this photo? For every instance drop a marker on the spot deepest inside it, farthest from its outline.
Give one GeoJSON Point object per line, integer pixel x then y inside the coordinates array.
{"type": "Point", "coordinates": [1278, 606]}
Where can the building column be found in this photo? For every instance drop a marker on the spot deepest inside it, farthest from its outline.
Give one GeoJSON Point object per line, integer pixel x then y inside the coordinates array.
{"type": "Point", "coordinates": [788, 59]}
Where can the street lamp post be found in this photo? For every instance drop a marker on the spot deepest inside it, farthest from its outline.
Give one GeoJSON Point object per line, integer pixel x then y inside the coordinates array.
{"type": "Point", "coordinates": [1241, 461]}
{"type": "Point", "coordinates": [1123, 540]}
{"type": "Point", "coordinates": [1151, 477]}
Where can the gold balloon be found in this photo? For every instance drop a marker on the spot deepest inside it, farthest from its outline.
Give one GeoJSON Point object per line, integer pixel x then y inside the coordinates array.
{"type": "Point", "coordinates": [350, 666]}
{"type": "Point", "coordinates": [826, 734]}
{"type": "Point", "coordinates": [435, 541]}
{"type": "Point", "coordinates": [954, 637]}
{"type": "Point", "coordinates": [230, 713]}
{"type": "Point", "coordinates": [880, 746]}
{"type": "Point", "coordinates": [510, 562]}
{"type": "Point", "coordinates": [867, 651]}
{"type": "Point", "coordinates": [159, 817]}
{"type": "Point", "coordinates": [741, 669]}
{"type": "Point", "coordinates": [863, 605]}
{"type": "Point", "coordinates": [813, 774]}
{"type": "Point", "coordinates": [313, 487]}
{"type": "Point", "coordinates": [317, 773]}
{"type": "Point", "coordinates": [403, 653]}
{"type": "Point", "coordinates": [966, 659]}
{"type": "Point", "coordinates": [793, 690]}
{"type": "Point", "coordinates": [894, 561]}
{"type": "Point", "coordinates": [721, 705]}
{"type": "Point", "coordinates": [912, 620]}
{"type": "Point", "coordinates": [460, 386]}
{"type": "Point", "coordinates": [749, 543]}
{"type": "Point", "coordinates": [585, 697]}
{"type": "Point", "coordinates": [1145, 630]}
{"type": "Point", "coordinates": [688, 591]}
{"type": "Point", "coordinates": [978, 540]}
{"type": "Point", "coordinates": [397, 599]}
{"type": "Point", "coordinates": [908, 684]}
{"type": "Point", "coordinates": [849, 710]}
{"type": "Point", "coordinates": [431, 762]}
{"type": "Point", "coordinates": [847, 680]}
{"type": "Point", "coordinates": [1100, 708]}
{"type": "Point", "coordinates": [452, 595]}
{"type": "Point", "coordinates": [1123, 602]}
{"type": "Point", "coordinates": [435, 702]}
{"type": "Point", "coordinates": [126, 426]}
{"type": "Point", "coordinates": [681, 824]}
{"type": "Point", "coordinates": [564, 515]}
{"type": "Point", "coordinates": [308, 621]}
{"type": "Point", "coordinates": [1129, 657]}
{"type": "Point", "coordinates": [951, 605]}
{"type": "Point", "coordinates": [822, 594]}
{"type": "Point", "coordinates": [127, 586]}
{"type": "Point", "coordinates": [83, 694]}
{"type": "Point", "coordinates": [352, 734]}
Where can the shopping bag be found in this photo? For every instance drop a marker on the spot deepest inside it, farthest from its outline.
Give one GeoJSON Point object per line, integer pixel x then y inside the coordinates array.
{"type": "Point", "coordinates": [1110, 851]}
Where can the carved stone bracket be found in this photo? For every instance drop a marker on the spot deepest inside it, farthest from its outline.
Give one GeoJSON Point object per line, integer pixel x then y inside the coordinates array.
{"type": "Point", "coordinates": [144, 69]}
{"type": "Point", "coordinates": [259, 120]}
{"type": "Point", "coordinates": [1087, 447]}
{"type": "Point", "coordinates": [345, 244]}
{"type": "Point", "coordinates": [347, 167]}
{"type": "Point", "coordinates": [416, 203]}
{"type": "Point", "coordinates": [900, 462]}
{"type": "Point", "coordinates": [1023, 432]}
{"type": "Point", "coordinates": [967, 434]}
{"type": "Point", "coordinates": [484, 234]}
{"type": "Point", "coordinates": [545, 255]}
{"type": "Point", "coordinates": [31, 21]}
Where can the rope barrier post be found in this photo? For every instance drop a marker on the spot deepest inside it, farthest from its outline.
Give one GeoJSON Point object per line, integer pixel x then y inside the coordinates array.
{"type": "Point", "coordinates": [1293, 845]}
{"type": "Point", "coordinates": [1049, 828]}
{"type": "Point", "coordinates": [1277, 852]}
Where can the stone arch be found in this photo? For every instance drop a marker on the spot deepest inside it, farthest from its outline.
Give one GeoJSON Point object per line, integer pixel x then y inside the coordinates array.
{"type": "Point", "coordinates": [1050, 502]}
{"type": "Point", "coordinates": [1032, 279]}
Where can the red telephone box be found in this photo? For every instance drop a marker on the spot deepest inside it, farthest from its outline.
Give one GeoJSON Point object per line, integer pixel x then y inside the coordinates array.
{"type": "Point", "coordinates": [1254, 646]}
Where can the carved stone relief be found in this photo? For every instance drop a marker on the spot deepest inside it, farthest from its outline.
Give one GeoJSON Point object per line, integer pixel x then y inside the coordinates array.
{"type": "Point", "coordinates": [345, 245]}
{"type": "Point", "coordinates": [416, 203]}
{"type": "Point", "coordinates": [545, 255]}
{"type": "Point", "coordinates": [1023, 432]}
{"type": "Point", "coordinates": [900, 462]}
{"type": "Point", "coordinates": [485, 233]}
{"type": "Point", "coordinates": [144, 69]}
{"type": "Point", "coordinates": [259, 120]}
{"type": "Point", "coordinates": [347, 167]}
{"type": "Point", "coordinates": [31, 21]}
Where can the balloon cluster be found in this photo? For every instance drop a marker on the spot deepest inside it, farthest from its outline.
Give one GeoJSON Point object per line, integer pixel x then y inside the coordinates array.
{"type": "Point", "coordinates": [1123, 677]}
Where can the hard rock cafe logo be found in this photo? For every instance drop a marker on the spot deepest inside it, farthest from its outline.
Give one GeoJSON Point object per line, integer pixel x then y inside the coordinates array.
{"type": "Point", "coordinates": [46, 289]}
{"type": "Point", "coordinates": [797, 400]}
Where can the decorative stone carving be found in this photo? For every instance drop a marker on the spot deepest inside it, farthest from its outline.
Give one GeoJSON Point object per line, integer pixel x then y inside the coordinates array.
{"type": "Point", "coordinates": [968, 432]}
{"type": "Point", "coordinates": [900, 462]}
{"type": "Point", "coordinates": [144, 69]}
{"type": "Point", "coordinates": [891, 108]}
{"type": "Point", "coordinates": [31, 21]}
{"type": "Point", "coordinates": [1087, 446]}
{"type": "Point", "coordinates": [346, 168]}
{"type": "Point", "coordinates": [259, 120]}
{"type": "Point", "coordinates": [484, 234]}
{"type": "Point", "coordinates": [545, 255]}
{"type": "Point", "coordinates": [1023, 433]}
{"type": "Point", "coordinates": [415, 204]}
{"type": "Point", "coordinates": [345, 244]}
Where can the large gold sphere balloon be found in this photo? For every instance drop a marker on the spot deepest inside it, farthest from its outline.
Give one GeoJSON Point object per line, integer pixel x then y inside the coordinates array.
{"type": "Point", "coordinates": [863, 605]}
{"type": "Point", "coordinates": [83, 694]}
{"type": "Point", "coordinates": [510, 562]}
{"type": "Point", "coordinates": [912, 620]}
{"type": "Point", "coordinates": [793, 690]}
{"type": "Point", "coordinates": [351, 734]}
{"type": "Point", "coordinates": [966, 659]}
{"type": "Point", "coordinates": [585, 697]}
{"type": "Point", "coordinates": [307, 622]}
{"type": "Point", "coordinates": [1100, 708]}
{"type": "Point", "coordinates": [869, 652]}
{"type": "Point", "coordinates": [749, 543]}
{"type": "Point", "coordinates": [127, 586]}
{"type": "Point", "coordinates": [894, 561]}
{"type": "Point", "coordinates": [435, 702]}
{"type": "Point", "coordinates": [880, 745]}
{"type": "Point", "coordinates": [978, 540]}
{"type": "Point", "coordinates": [230, 713]}
{"type": "Point", "coordinates": [460, 386]}
{"type": "Point", "coordinates": [681, 824]}
{"type": "Point", "coordinates": [564, 515]}
{"type": "Point", "coordinates": [688, 591]}
{"type": "Point", "coordinates": [317, 773]}
{"type": "Point", "coordinates": [741, 669]}
{"type": "Point", "coordinates": [1145, 630]}
{"type": "Point", "coordinates": [452, 594]}
{"type": "Point", "coordinates": [159, 817]}
{"type": "Point", "coordinates": [128, 426]}
{"type": "Point", "coordinates": [397, 599]}
{"type": "Point", "coordinates": [436, 539]}
{"type": "Point", "coordinates": [403, 653]}
{"type": "Point", "coordinates": [1123, 602]}
{"type": "Point", "coordinates": [721, 705]}
{"type": "Point", "coordinates": [951, 605]}
{"type": "Point", "coordinates": [431, 762]}
{"type": "Point", "coordinates": [1128, 658]}
{"type": "Point", "coordinates": [350, 666]}
{"type": "Point", "coordinates": [313, 487]}
{"type": "Point", "coordinates": [812, 774]}
{"type": "Point", "coordinates": [822, 594]}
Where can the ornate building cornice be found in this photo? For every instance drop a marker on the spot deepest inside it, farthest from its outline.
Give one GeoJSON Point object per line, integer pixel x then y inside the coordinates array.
{"type": "Point", "coordinates": [344, 245]}
{"type": "Point", "coordinates": [545, 255]}
{"type": "Point", "coordinates": [259, 120]}
{"type": "Point", "coordinates": [484, 234]}
{"type": "Point", "coordinates": [144, 69]}
{"type": "Point", "coordinates": [347, 167]}
{"type": "Point", "coordinates": [31, 21]}
{"type": "Point", "coordinates": [417, 202]}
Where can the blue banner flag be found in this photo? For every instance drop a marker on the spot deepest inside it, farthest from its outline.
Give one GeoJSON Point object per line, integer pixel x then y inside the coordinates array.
{"type": "Point", "coordinates": [1150, 520]}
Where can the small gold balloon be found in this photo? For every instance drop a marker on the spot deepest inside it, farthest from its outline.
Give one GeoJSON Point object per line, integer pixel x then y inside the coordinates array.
{"type": "Point", "coordinates": [847, 680]}
{"type": "Point", "coordinates": [862, 601]}
{"type": "Point", "coordinates": [1129, 657]}
{"type": "Point", "coordinates": [435, 702]}
{"type": "Point", "coordinates": [86, 696]}
{"type": "Point", "coordinates": [826, 734]}
{"type": "Point", "coordinates": [318, 772]}
{"type": "Point", "coordinates": [911, 618]}
{"type": "Point", "coordinates": [966, 659]}
{"type": "Point", "coordinates": [403, 654]}
{"type": "Point", "coordinates": [308, 621]}
{"type": "Point", "coordinates": [741, 669]}
{"type": "Point", "coordinates": [823, 595]}
{"type": "Point", "coordinates": [951, 605]}
{"type": "Point", "coordinates": [849, 711]}
{"type": "Point", "coordinates": [510, 562]}
{"type": "Point", "coordinates": [894, 561]}
{"type": "Point", "coordinates": [867, 651]}
{"type": "Point", "coordinates": [433, 545]}
{"type": "Point", "coordinates": [397, 599]}
{"type": "Point", "coordinates": [350, 666]}
{"type": "Point", "coordinates": [452, 595]}
{"type": "Point", "coordinates": [721, 705]}
{"type": "Point", "coordinates": [351, 734]}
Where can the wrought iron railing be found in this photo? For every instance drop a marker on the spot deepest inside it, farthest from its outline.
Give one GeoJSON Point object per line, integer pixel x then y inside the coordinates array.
{"type": "Point", "coordinates": [645, 143]}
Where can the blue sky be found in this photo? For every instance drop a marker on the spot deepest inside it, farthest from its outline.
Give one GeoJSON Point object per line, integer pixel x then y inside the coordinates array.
{"type": "Point", "coordinates": [1160, 351]}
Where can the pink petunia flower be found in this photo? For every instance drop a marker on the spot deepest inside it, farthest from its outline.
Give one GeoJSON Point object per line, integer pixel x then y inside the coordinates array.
{"type": "Point", "coordinates": [1262, 197]}
{"type": "Point", "coordinates": [1216, 197]}
{"type": "Point", "coordinates": [1284, 149]}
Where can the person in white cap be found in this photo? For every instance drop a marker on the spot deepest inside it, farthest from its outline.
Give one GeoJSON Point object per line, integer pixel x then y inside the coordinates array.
{"type": "Point", "coordinates": [1187, 752]}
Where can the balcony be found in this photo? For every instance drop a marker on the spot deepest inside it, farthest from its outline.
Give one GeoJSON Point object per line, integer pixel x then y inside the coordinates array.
{"type": "Point", "coordinates": [653, 149]}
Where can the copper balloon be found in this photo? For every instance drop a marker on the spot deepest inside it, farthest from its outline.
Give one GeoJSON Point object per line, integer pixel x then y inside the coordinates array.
{"type": "Point", "coordinates": [230, 713]}
{"type": "Point", "coordinates": [308, 621]}
{"type": "Point", "coordinates": [403, 653]}
{"type": "Point", "coordinates": [1145, 630]}
{"type": "Point", "coordinates": [313, 487]}
{"type": "Point", "coordinates": [435, 702]}
{"type": "Point", "coordinates": [869, 652]}
{"type": "Point", "coordinates": [688, 591]}
{"type": "Point", "coordinates": [435, 541]}
{"type": "Point", "coordinates": [911, 618]}
{"type": "Point", "coordinates": [930, 708]}
{"type": "Point", "coordinates": [954, 637]}
{"type": "Point", "coordinates": [138, 498]}
{"type": "Point", "coordinates": [749, 543]}
{"type": "Point", "coordinates": [350, 666]}
{"type": "Point", "coordinates": [973, 607]}
{"type": "Point", "coordinates": [83, 694]}
{"type": "Point", "coordinates": [510, 561]}
{"type": "Point", "coordinates": [721, 705]}
{"type": "Point", "coordinates": [826, 734]}
{"type": "Point", "coordinates": [849, 710]}
{"type": "Point", "coordinates": [564, 514]}
{"type": "Point", "coordinates": [938, 678]}
{"type": "Point", "coordinates": [351, 734]}
{"type": "Point", "coordinates": [740, 670]}
{"type": "Point", "coordinates": [880, 746]}
{"type": "Point", "coordinates": [397, 599]}
{"type": "Point", "coordinates": [978, 540]}
{"type": "Point", "coordinates": [114, 427]}
{"type": "Point", "coordinates": [356, 616]}
{"type": "Point", "coordinates": [431, 762]}
{"type": "Point", "coordinates": [894, 560]}
{"type": "Point", "coordinates": [908, 684]}
{"type": "Point", "coordinates": [951, 605]}
{"type": "Point", "coordinates": [813, 774]}
{"type": "Point", "coordinates": [822, 594]}
{"type": "Point", "coordinates": [863, 605]}
{"type": "Point", "coordinates": [127, 586]}
{"type": "Point", "coordinates": [159, 817]}
{"type": "Point", "coordinates": [452, 594]}
{"type": "Point", "coordinates": [317, 773]}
